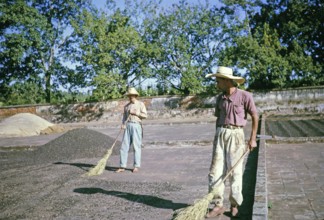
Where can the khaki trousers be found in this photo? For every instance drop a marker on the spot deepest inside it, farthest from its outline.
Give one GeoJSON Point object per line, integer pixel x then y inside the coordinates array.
{"type": "Point", "coordinates": [228, 147]}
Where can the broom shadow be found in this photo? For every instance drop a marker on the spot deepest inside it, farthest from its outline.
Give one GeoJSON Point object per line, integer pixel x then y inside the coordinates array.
{"type": "Point", "coordinates": [153, 201]}
{"type": "Point", "coordinates": [86, 167]}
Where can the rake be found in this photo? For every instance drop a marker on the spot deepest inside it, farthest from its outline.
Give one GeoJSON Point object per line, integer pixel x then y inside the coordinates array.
{"type": "Point", "coordinates": [197, 211]}
{"type": "Point", "coordinates": [101, 165]}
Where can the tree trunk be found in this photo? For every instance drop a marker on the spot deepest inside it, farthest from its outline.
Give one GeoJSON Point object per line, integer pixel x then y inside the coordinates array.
{"type": "Point", "coordinates": [48, 86]}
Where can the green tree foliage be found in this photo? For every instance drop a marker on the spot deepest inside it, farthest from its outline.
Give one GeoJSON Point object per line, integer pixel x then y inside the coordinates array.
{"type": "Point", "coordinates": [113, 53]}
{"type": "Point", "coordinates": [281, 47]}
{"type": "Point", "coordinates": [191, 38]}
{"type": "Point", "coordinates": [22, 93]}
{"type": "Point", "coordinates": [33, 43]}
{"type": "Point", "coordinates": [19, 36]}
{"type": "Point", "coordinates": [267, 68]}
{"type": "Point", "coordinates": [277, 44]}
{"type": "Point", "coordinates": [296, 21]}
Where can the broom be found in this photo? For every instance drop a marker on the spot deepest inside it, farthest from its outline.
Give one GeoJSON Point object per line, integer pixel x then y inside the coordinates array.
{"type": "Point", "coordinates": [198, 210]}
{"type": "Point", "coordinates": [100, 167]}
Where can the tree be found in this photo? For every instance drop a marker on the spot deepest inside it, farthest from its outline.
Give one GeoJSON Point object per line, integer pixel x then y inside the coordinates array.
{"type": "Point", "coordinates": [281, 47]}
{"type": "Point", "coordinates": [112, 52]}
{"type": "Point", "coordinates": [261, 57]}
{"type": "Point", "coordinates": [191, 38]}
{"type": "Point", "coordinates": [300, 21]}
{"type": "Point", "coordinates": [33, 42]}
{"type": "Point", "coordinates": [18, 35]}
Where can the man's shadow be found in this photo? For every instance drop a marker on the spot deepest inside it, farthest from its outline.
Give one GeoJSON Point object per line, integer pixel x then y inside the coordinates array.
{"type": "Point", "coordinates": [144, 199]}
{"type": "Point", "coordinates": [86, 167]}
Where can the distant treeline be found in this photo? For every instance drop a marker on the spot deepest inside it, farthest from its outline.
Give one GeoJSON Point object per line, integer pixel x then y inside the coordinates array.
{"type": "Point", "coordinates": [54, 52]}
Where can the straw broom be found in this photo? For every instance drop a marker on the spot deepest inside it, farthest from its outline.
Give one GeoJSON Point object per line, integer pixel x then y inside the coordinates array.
{"type": "Point", "coordinates": [100, 167]}
{"type": "Point", "coordinates": [198, 210]}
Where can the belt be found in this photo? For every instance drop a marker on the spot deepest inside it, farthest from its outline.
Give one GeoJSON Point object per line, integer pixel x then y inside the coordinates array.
{"type": "Point", "coordinates": [134, 122]}
{"type": "Point", "coordinates": [231, 127]}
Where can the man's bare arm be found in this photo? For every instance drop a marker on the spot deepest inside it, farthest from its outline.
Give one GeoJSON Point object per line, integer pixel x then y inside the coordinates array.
{"type": "Point", "coordinates": [255, 122]}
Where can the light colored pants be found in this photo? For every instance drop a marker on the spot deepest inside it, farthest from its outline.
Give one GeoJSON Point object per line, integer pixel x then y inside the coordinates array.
{"type": "Point", "coordinates": [228, 147]}
{"type": "Point", "coordinates": [132, 135]}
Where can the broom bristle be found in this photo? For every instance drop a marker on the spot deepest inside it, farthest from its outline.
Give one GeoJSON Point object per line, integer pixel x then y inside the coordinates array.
{"type": "Point", "coordinates": [198, 210]}
{"type": "Point", "coordinates": [100, 167]}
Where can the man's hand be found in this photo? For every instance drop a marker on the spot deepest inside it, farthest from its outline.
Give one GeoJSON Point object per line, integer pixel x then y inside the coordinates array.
{"type": "Point", "coordinates": [123, 127]}
{"type": "Point", "coordinates": [252, 144]}
{"type": "Point", "coordinates": [132, 111]}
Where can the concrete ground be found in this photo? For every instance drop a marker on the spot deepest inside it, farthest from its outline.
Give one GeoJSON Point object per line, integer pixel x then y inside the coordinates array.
{"type": "Point", "coordinates": [295, 180]}
{"type": "Point", "coordinates": [176, 158]}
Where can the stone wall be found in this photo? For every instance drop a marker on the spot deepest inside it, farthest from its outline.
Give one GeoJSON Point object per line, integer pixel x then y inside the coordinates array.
{"type": "Point", "coordinates": [157, 107]}
{"type": "Point", "coordinates": [12, 110]}
{"type": "Point", "coordinates": [310, 99]}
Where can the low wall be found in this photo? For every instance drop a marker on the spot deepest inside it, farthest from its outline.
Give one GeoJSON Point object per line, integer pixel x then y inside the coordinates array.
{"type": "Point", "coordinates": [307, 99]}
{"type": "Point", "coordinates": [310, 99]}
{"type": "Point", "coordinates": [9, 111]}
{"type": "Point", "coordinates": [260, 205]}
{"type": "Point", "coordinates": [157, 108]}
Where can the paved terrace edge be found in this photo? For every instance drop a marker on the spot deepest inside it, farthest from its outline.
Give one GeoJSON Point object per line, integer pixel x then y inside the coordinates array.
{"type": "Point", "coordinates": [260, 206]}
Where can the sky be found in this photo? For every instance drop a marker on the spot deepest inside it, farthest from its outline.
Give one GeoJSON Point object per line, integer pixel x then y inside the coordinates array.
{"type": "Point", "coordinates": [165, 3]}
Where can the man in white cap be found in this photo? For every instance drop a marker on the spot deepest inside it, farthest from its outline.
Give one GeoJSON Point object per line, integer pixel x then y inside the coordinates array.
{"type": "Point", "coordinates": [134, 112]}
{"type": "Point", "coordinates": [232, 107]}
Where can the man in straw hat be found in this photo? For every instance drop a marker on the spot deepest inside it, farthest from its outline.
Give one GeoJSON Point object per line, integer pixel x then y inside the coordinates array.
{"type": "Point", "coordinates": [232, 107]}
{"type": "Point", "coordinates": [134, 112]}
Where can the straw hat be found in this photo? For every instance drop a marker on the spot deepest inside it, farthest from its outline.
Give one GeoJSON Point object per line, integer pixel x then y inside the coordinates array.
{"type": "Point", "coordinates": [131, 91]}
{"type": "Point", "coordinates": [227, 73]}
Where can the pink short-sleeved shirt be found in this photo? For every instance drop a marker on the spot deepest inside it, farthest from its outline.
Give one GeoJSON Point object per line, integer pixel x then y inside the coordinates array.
{"type": "Point", "coordinates": [233, 110]}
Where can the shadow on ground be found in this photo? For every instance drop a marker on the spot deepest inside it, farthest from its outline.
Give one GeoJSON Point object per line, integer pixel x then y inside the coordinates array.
{"type": "Point", "coordinates": [249, 181]}
{"type": "Point", "coordinates": [138, 198]}
{"type": "Point", "coordinates": [86, 167]}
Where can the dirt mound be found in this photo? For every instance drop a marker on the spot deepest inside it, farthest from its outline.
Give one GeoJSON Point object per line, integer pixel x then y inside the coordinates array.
{"type": "Point", "coordinates": [53, 129]}
{"type": "Point", "coordinates": [75, 144]}
{"type": "Point", "coordinates": [22, 125]}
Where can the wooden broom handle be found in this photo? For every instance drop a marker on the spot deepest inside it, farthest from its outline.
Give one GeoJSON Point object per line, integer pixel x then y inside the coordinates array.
{"type": "Point", "coordinates": [235, 165]}
{"type": "Point", "coordinates": [120, 130]}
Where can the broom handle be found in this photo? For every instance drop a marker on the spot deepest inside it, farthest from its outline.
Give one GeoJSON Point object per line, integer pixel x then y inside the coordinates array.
{"type": "Point", "coordinates": [119, 133]}
{"type": "Point", "coordinates": [231, 170]}
{"type": "Point", "coordinates": [235, 165]}
{"type": "Point", "coordinates": [116, 139]}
